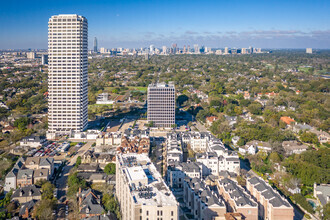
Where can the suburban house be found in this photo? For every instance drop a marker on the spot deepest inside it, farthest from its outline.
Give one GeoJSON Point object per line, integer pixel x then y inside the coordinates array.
{"type": "Point", "coordinates": [248, 149]}
{"type": "Point", "coordinates": [24, 177]}
{"type": "Point", "coordinates": [26, 209]}
{"type": "Point", "coordinates": [33, 141]}
{"type": "Point", "coordinates": [293, 147]}
{"type": "Point", "coordinates": [26, 194]}
{"type": "Point", "coordinates": [322, 193]}
{"type": "Point", "coordinates": [210, 120]}
{"type": "Point", "coordinates": [89, 203]}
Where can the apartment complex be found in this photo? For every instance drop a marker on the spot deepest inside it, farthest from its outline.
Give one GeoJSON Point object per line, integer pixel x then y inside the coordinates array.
{"type": "Point", "coordinates": [161, 104]}
{"type": "Point", "coordinates": [67, 74]}
{"type": "Point", "coordinates": [141, 191]}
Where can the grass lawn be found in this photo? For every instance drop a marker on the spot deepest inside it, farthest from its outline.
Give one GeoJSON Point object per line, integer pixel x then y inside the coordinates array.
{"type": "Point", "coordinates": [142, 89]}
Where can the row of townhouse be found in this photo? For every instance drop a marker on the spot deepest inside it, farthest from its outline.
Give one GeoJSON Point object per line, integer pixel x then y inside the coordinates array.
{"type": "Point", "coordinates": [198, 141]}
{"type": "Point", "coordinates": [237, 199]}
{"type": "Point", "coordinates": [203, 203]}
{"type": "Point", "coordinates": [217, 158]}
{"type": "Point", "coordinates": [272, 206]}
{"type": "Point", "coordinates": [29, 171]}
{"type": "Point", "coordinates": [174, 151]}
{"type": "Point", "coordinates": [177, 171]}
{"type": "Point", "coordinates": [116, 138]}
{"type": "Point", "coordinates": [134, 145]}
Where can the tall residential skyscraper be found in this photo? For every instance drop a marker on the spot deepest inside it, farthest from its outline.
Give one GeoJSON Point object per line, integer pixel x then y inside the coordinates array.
{"type": "Point", "coordinates": [161, 104]}
{"type": "Point", "coordinates": [95, 45]}
{"type": "Point", "coordinates": [67, 74]}
{"type": "Point", "coordinates": [309, 50]}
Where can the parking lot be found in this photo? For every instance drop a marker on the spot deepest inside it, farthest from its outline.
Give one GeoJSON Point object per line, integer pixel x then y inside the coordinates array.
{"type": "Point", "coordinates": [54, 149]}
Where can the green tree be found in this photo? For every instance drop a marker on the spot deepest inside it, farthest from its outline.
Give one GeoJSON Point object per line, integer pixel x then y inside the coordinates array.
{"type": "Point", "coordinates": [111, 204]}
{"type": "Point", "coordinates": [255, 108]}
{"type": "Point", "coordinates": [44, 209]}
{"type": "Point", "coordinates": [78, 161]}
{"type": "Point", "coordinates": [47, 190]}
{"type": "Point", "coordinates": [301, 200]}
{"type": "Point", "coordinates": [110, 169]}
{"type": "Point", "coordinates": [309, 137]}
{"type": "Point", "coordinates": [326, 211]}
{"type": "Point", "coordinates": [22, 123]}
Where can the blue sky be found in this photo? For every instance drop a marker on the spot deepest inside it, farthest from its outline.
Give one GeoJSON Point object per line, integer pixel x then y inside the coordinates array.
{"type": "Point", "coordinates": [219, 23]}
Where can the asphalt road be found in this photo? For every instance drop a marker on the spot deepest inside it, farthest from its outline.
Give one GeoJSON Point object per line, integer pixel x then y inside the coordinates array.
{"type": "Point", "coordinates": [61, 182]}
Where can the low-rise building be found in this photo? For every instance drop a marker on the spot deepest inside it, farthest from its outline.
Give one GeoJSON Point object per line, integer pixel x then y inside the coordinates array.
{"type": "Point", "coordinates": [24, 177]}
{"type": "Point", "coordinates": [199, 141]}
{"type": "Point", "coordinates": [322, 136]}
{"type": "Point", "coordinates": [141, 191]}
{"type": "Point", "coordinates": [85, 167]}
{"type": "Point", "coordinates": [178, 171]}
{"type": "Point", "coordinates": [237, 199]}
{"type": "Point", "coordinates": [260, 145]}
{"type": "Point", "coordinates": [322, 193]}
{"type": "Point", "coordinates": [11, 177]}
{"type": "Point", "coordinates": [210, 120]}
{"type": "Point", "coordinates": [293, 147]}
{"type": "Point", "coordinates": [248, 149]}
{"type": "Point", "coordinates": [201, 201]}
{"type": "Point", "coordinates": [89, 202]}
{"type": "Point", "coordinates": [26, 194]}
{"type": "Point", "coordinates": [33, 141]}
{"type": "Point", "coordinates": [271, 204]}
{"type": "Point", "coordinates": [173, 148]}
{"type": "Point", "coordinates": [108, 138]}
{"type": "Point", "coordinates": [40, 175]}
{"type": "Point", "coordinates": [26, 209]}
{"type": "Point", "coordinates": [135, 145]}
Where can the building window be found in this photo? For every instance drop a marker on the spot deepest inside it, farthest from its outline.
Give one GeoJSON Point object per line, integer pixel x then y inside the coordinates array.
{"type": "Point", "coordinates": [147, 212]}
{"type": "Point", "coordinates": [172, 213]}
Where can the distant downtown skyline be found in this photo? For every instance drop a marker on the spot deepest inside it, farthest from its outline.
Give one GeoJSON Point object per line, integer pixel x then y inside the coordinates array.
{"type": "Point", "coordinates": [136, 24]}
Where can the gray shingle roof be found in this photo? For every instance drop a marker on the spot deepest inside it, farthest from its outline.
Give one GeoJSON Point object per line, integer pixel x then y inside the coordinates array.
{"type": "Point", "coordinates": [25, 172]}
{"type": "Point", "coordinates": [28, 205]}
{"type": "Point", "coordinates": [26, 191]}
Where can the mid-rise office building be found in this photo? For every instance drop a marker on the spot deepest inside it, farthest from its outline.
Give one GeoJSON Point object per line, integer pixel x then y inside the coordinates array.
{"type": "Point", "coordinates": [67, 74]}
{"type": "Point", "coordinates": [161, 104]}
{"type": "Point", "coordinates": [141, 191]}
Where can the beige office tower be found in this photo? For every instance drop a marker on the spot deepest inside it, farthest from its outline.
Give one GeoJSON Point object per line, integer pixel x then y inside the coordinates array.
{"type": "Point", "coordinates": [161, 104]}
{"type": "Point", "coordinates": [67, 74]}
{"type": "Point", "coordinates": [141, 190]}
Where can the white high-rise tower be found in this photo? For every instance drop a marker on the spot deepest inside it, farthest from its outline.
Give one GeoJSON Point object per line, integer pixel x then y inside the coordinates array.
{"type": "Point", "coordinates": [67, 74]}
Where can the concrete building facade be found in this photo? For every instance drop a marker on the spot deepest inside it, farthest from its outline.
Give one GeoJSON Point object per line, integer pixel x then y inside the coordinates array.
{"type": "Point", "coordinates": [161, 104]}
{"type": "Point", "coordinates": [67, 74]}
{"type": "Point", "coordinates": [141, 191]}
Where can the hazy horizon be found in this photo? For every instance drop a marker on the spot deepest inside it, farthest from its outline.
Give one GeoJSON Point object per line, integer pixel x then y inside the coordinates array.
{"type": "Point", "coordinates": [135, 24]}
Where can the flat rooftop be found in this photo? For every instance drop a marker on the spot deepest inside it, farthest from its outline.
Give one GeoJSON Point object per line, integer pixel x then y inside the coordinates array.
{"type": "Point", "coordinates": [146, 184]}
